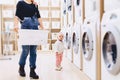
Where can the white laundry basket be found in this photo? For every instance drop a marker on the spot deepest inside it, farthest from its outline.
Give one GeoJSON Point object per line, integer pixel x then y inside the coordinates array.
{"type": "Point", "coordinates": [32, 37]}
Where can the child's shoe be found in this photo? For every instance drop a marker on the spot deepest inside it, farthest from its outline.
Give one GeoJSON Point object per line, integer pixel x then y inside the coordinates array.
{"type": "Point", "coordinates": [60, 67]}
{"type": "Point", "coordinates": [57, 69]}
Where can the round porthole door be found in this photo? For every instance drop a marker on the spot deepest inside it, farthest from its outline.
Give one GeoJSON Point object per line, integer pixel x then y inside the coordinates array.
{"type": "Point", "coordinates": [64, 7]}
{"type": "Point", "coordinates": [69, 5]}
{"type": "Point", "coordinates": [87, 44]}
{"type": "Point", "coordinates": [75, 42]}
{"type": "Point", "coordinates": [110, 49]}
{"type": "Point", "coordinates": [67, 40]}
{"type": "Point", "coordinates": [78, 2]}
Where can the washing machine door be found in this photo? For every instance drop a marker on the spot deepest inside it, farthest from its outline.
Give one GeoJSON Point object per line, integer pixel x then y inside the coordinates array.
{"type": "Point", "coordinates": [77, 5]}
{"type": "Point", "coordinates": [75, 42]}
{"type": "Point", "coordinates": [67, 40]}
{"type": "Point", "coordinates": [110, 48]}
{"type": "Point", "coordinates": [77, 2]}
{"type": "Point", "coordinates": [87, 44]}
{"type": "Point", "coordinates": [69, 5]}
{"type": "Point", "coordinates": [64, 7]}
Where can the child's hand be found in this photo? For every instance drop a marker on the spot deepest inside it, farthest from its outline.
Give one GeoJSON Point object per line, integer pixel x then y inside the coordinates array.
{"type": "Point", "coordinates": [56, 52]}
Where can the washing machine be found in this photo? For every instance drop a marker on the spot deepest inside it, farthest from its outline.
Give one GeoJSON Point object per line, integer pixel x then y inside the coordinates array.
{"type": "Point", "coordinates": [63, 7]}
{"type": "Point", "coordinates": [68, 42]}
{"type": "Point", "coordinates": [69, 26]}
{"type": "Point", "coordinates": [69, 5]}
{"type": "Point", "coordinates": [88, 38]}
{"type": "Point", "coordinates": [65, 39]}
{"type": "Point", "coordinates": [77, 5]}
{"type": "Point", "coordinates": [69, 12]}
{"type": "Point", "coordinates": [69, 45]}
{"type": "Point", "coordinates": [76, 46]}
{"type": "Point", "coordinates": [110, 45]}
{"type": "Point", "coordinates": [89, 47]}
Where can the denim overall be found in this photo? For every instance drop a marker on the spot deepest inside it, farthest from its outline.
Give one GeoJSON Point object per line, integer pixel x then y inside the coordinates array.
{"type": "Point", "coordinates": [29, 23]}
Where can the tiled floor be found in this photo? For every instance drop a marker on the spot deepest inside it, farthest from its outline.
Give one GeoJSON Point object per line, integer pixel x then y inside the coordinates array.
{"type": "Point", "coordinates": [45, 69]}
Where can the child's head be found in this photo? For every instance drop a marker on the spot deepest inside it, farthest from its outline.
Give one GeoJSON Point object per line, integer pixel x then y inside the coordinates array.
{"type": "Point", "coordinates": [60, 36]}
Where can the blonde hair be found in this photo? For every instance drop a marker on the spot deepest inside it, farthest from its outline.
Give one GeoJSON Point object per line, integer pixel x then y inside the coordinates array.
{"type": "Point", "coordinates": [60, 33]}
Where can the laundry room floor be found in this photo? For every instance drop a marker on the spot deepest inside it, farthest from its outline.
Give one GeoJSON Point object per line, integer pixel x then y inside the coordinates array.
{"type": "Point", "coordinates": [45, 68]}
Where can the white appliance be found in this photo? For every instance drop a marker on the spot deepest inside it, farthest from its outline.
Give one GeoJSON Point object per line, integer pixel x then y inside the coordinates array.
{"type": "Point", "coordinates": [89, 38]}
{"type": "Point", "coordinates": [69, 5]}
{"type": "Point", "coordinates": [110, 45]}
{"type": "Point", "coordinates": [77, 5]}
{"type": "Point", "coordinates": [76, 45]}
{"type": "Point", "coordinates": [65, 39]}
{"type": "Point", "coordinates": [69, 27]}
{"type": "Point", "coordinates": [89, 47]}
{"type": "Point", "coordinates": [69, 44]}
{"type": "Point", "coordinates": [77, 56]}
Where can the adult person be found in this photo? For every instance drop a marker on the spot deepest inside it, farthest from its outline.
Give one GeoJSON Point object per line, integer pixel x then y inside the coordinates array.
{"type": "Point", "coordinates": [25, 10]}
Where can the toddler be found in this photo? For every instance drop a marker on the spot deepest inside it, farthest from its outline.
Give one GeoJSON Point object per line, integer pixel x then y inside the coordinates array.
{"type": "Point", "coordinates": [59, 51]}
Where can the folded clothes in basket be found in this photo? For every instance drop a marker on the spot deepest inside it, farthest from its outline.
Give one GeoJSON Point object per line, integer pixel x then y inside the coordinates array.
{"type": "Point", "coordinates": [32, 37]}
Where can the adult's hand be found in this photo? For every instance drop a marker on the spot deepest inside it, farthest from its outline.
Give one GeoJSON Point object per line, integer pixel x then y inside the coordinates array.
{"type": "Point", "coordinates": [41, 23]}
{"type": "Point", "coordinates": [16, 29]}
